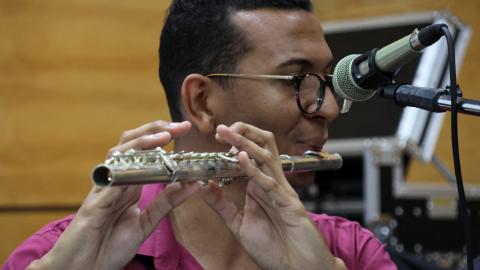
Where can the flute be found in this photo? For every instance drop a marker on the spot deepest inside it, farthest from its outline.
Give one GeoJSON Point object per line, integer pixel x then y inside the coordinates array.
{"type": "Point", "coordinates": [157, 166]}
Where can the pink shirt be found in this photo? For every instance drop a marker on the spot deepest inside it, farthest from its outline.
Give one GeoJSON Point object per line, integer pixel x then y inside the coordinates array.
{"type": "Point", "coordinates": [357, 247]}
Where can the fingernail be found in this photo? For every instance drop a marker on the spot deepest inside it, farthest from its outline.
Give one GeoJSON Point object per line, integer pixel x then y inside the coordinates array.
{"type": "Point", "coordinates": [233, 149]}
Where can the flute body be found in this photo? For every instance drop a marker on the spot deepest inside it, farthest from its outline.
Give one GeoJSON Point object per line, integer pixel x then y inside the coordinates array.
{"type": "Point", "coordinates": [157, 166]}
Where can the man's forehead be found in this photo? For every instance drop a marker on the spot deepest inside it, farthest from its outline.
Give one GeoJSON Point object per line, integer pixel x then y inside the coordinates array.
{"type": "Point", "coordinates": [260, 22]}
{"type": "Point", "coordinates": [283, 34]}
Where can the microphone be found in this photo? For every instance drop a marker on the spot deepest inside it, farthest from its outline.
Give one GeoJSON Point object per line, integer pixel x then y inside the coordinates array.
{"type": "Point", "coordinates": [357, 77]}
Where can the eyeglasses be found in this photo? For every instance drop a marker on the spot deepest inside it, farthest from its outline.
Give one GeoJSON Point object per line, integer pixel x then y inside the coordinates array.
{"type": "Point", "coordinates": [309, 88]}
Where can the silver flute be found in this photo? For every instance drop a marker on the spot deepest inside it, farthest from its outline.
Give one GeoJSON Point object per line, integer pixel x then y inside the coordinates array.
{"type": "Point", "coordinates": [157, 166]}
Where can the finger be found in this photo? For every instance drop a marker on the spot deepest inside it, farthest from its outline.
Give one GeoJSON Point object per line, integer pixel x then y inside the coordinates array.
{"type": "Point", "coordinates": [267, 160]}
{"type": "Point", "coordinates": [176, 129]}
{"type": "Point", "coordinates": [266, 138]}
{"type": "Point", "coordinates": [258, 153]}
{"type": "Point", "coordinates": [168, 199]}
{"type": "Point", "coordinates": [214, 196]}
{"type": "Point", "coordinates": [145, 142]}
{"type": "Point", "coordinates": [261, 137]}
{"type": "Point", "coordinates": [271, 186]}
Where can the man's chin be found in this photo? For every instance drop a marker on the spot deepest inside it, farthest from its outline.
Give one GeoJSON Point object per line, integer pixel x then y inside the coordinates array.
{"type": "Point", "coordinates": [301, 180]}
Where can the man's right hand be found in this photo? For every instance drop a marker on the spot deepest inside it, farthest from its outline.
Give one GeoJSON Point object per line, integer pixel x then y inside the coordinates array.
{"type": "Point", "coordinates": [109, 227]}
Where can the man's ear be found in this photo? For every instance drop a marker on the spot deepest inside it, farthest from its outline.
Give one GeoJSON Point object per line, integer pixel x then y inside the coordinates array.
{"type": "Point", "coordinates": [197, 95]}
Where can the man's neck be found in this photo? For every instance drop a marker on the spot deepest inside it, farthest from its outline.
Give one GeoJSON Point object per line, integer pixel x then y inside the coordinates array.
{"type": "Point", "coordinates": [202, 231]}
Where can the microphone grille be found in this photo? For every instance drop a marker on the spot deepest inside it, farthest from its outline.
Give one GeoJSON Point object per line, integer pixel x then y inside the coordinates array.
{"type": "Point", "coordinates": [344, 84]}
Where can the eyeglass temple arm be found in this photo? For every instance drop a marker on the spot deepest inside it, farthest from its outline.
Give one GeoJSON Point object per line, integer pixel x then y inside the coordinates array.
{"type": "Point", "coordinates": [251, 76]}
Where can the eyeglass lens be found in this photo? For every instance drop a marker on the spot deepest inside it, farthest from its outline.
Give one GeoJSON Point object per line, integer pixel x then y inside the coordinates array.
{"type": "Point", "coordinates": [309, 93]}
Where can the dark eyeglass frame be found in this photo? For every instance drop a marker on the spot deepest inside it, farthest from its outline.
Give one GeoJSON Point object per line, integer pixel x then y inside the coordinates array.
{"type": "Point", "coordinates": [297, 80]}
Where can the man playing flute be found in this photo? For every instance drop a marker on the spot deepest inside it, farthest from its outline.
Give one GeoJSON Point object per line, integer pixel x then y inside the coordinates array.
{"type": "Point", "coordinates": [241, 75]}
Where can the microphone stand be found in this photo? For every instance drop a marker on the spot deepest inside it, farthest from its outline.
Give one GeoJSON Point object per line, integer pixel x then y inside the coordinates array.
{"type": "Point", "coordinates": [430, 99]}
{"type": "Point", "coordinates": [465, 106]}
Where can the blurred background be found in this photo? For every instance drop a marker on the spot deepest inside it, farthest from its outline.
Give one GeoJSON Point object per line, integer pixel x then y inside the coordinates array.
{"type": "Point", "coordinates": [75, 74]}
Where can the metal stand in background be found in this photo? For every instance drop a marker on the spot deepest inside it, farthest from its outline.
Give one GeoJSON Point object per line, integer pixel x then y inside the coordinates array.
{"type": "Point", "coordinates": [430, 99]}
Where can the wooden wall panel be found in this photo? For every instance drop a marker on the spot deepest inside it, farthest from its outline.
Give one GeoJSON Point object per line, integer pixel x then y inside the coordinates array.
{"type": "Point", "coordinates": [74, 74]}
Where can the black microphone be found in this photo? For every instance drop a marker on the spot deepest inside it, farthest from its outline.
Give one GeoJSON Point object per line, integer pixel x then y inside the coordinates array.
{"type": "Point", "coordinates": [357, 77]}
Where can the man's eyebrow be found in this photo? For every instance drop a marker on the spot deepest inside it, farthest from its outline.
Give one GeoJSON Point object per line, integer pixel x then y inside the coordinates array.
{"type": "Point", "coordinates": [304, 63]}
{"type": "Point", "coordinates": [296, 61]}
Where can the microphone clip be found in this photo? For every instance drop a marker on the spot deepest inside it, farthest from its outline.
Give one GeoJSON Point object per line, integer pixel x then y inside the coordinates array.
{"type": "Point", "coordinates": [370, 77]}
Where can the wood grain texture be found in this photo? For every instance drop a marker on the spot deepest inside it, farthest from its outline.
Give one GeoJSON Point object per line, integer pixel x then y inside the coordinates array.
{"type": "Point", "coordinates": [73, 76]}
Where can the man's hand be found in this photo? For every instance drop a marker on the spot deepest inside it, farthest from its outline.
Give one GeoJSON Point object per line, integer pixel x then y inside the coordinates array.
{"type": "Point", "coordinates": [274, 227]}
{"type": "Point", "coordinates": [109, 227]}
